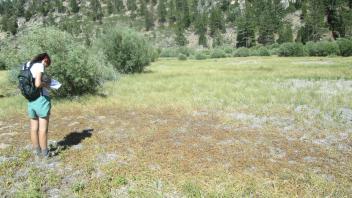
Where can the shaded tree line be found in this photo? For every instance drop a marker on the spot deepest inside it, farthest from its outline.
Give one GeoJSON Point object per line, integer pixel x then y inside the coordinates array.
{"type": "Point", "coordinates": [255, 21]}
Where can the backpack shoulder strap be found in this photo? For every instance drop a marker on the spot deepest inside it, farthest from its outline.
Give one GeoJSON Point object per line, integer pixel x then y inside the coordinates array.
{"type": "Point", "coordinates": [30, 65]}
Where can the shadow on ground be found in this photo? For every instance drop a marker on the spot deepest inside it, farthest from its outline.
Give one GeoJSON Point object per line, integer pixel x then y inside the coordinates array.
{"type": "Point", "coordinates": [72, 139]}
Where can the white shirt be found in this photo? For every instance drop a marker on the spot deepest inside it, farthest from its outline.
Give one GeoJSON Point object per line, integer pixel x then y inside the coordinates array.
{"type": "Point", "coordinates": [36, 68]}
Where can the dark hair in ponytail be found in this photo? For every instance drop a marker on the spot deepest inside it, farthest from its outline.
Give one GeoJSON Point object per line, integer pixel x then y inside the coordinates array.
{"type": "Point", "coordinates": [40, 57]}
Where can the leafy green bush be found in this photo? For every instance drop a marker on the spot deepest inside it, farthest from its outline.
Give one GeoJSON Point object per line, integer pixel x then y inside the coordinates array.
{"type": "Point", "coordinates": [126, 50]}
{"type": "Point", "coordinates": [200, 56]}
{"type": "Point", "coordinates": [218, 53]}
{"type": "Point", "coordinates": [79, 70]}
{"type": "Point", "coordinates": [241, 52]}
{"type": "Point", "coordinates": [169, 52]}
{"type": "Point", "coordinates": [182, 57]}
{"type": "Point", "coordinates": [345, 46]}
{"type": "Point", "coordinates": [323, 48]}
{"type": "Point", "coordinates": [291, 49]}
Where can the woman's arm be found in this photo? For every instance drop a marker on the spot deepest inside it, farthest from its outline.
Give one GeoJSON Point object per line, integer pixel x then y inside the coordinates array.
{"type": "Point", "coordinates": [38, 81]}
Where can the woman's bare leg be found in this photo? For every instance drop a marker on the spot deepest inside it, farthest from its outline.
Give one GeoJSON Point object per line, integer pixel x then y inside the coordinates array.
{"type": "Point", "coordinates": [34, 132]}
{"type": "Point", "coordinates": [43, 134]}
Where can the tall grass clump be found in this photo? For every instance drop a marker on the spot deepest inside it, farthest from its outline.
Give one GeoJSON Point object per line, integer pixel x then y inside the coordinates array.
{"type": "Point", "coordinates": [323, 48]}
{"type": "Point", "coordinates": [79, 70]}
{"type": "Point", "coordinates": [126, 50]}
{"type": "Point", "coordinates": [291, 49]}
{"type": "Point", "coordinates": [345, 46]}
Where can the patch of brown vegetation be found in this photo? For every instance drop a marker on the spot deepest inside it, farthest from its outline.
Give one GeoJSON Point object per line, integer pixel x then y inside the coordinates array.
{"type": "Point", "coordinates": [176, 145]}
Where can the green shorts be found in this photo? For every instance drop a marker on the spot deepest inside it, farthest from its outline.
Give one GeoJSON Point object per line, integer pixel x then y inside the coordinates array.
{"type": "Point", "coordinates": [39, 107]}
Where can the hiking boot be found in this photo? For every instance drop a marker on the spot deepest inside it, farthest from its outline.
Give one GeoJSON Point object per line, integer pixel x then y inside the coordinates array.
{"type": "Point", "coordinates": [37, 151]}
{"type": "Point", "coordinates": [45, 153]}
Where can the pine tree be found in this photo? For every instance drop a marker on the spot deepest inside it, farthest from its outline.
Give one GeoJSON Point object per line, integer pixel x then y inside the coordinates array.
{"type": "Point", "coordinates": [337, 16]}
{"type": "Point", "coordinates": [19, 8]}
{"type": "Point", "coordinates": [181, 40]}
{"type": "Point", "coordinates": [314, 21]}
{"type": "Point", "coordinates": [74, 6]}
{"type": "Point", "coordinates": [234, 12]}
{"type": "Point", "coordinates": [6, 7]}
{"type": "Point", "coordinates": [154, 2]}
{"type": "Point", "coordinates": [183, 15]}
{"type": "Point", "coordinates": [59, 6]}
{"type": "Point", "coordinates": [218, 39]}
{"type": "Point", "coordinates": [346, 18]}
{"type": "Point", "coordinates": [162, 11]}
{"type": "Point", "coordinates": [193, 10]}
{"type": "Point", "coordinates": [110, 7]}
{"type": "Point", "coordinates": [245, 32]}
{"type": "Point", "coordinates": [96, 10]}
{"type": "Point", "coordinates": [285, 34]}
{"type": "Point", "coordinates": [277, 12]}
{"type": "Point", "coordinates": [149, 19]}
{"type": "Point", "coordinates": [216, 22]}
{"type": "Point", "coordinates": [118, 5]}
{"type": "Point", "coordinates": [224, 5]}
{"type": "Point", "coordinates": [132, 6]}
{"type": "Point", "coordinates": [9, 24]}
{"type": "Point", "coordinates": [172, 11]}
{"type": "Point", "coordinates": [44, 8]}
{"type": "Point", "coordinates": [266, 28]}
{"type": "Point", "coordinates": [142, 8]}
{"type": "Point", "coordinates": [201, 29]}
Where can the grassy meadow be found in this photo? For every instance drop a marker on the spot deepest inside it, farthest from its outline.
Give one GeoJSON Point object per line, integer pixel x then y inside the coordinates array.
{"type": "Point", "coordinates": [233, 127]}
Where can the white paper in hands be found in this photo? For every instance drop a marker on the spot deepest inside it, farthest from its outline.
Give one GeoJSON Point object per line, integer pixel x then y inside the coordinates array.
{"type": "Point", "coordinates": [55, 84]}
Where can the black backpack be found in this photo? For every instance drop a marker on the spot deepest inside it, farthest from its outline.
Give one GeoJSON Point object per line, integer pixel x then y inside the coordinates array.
{"type": "Point", "coordinates": [26, 83]}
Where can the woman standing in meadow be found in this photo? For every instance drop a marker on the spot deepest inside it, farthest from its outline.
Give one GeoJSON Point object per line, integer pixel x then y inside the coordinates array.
{"type": "Point", "coordinates": [39, 109]}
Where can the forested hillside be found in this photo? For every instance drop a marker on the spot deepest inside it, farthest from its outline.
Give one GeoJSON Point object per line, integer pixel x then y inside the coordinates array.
{"type": "Point", "coordinates": [210, 23]}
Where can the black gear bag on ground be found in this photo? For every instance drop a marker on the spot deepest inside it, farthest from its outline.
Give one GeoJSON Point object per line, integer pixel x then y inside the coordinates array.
{"type": "Point", "coordinates": [26, 83]}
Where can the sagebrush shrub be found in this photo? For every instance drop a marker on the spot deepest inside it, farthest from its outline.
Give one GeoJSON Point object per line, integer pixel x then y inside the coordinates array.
{"type": "Point", "coordinates": [126, 50]}
{"type": "Point", "coordinates": [71, 61]}
{"type": "Point", "coordinates": [186, 51]}
{"type": "Point", "coordinates": [2, 65]}
{"type": "Point", "coordinates": [182, 57]}
{"type": "Point", "coordinates": [345, 46]}
{"type": "Point", "coordinates": [200, 56]}
{"type": "Point", "coordinates": [263, 51]}
{"type": "Point", "coordinates": [218, 53]}
{"type": "Point", "coordinates": [169, 52]}
{"type": "Point", "coordinates": [291, 49]}
{"type": "Point", "coordinates": [228, 49]}
{"type": "Point", "coordinates": [322, 48]}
